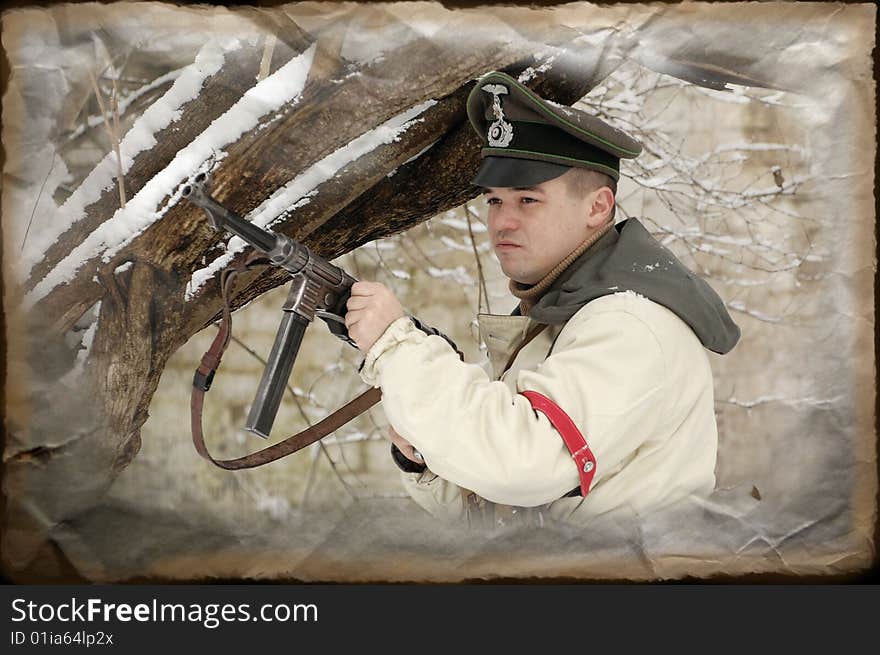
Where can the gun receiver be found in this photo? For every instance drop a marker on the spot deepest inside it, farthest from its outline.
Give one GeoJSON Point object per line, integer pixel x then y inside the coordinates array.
{"type": "Point", "coordinates": [318, 289]}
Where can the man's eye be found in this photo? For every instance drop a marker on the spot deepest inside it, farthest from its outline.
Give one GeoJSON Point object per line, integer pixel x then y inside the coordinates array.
{"type": "Point", "coordinates": [493, 201]}
{"type": "Point", "coordinates": [528, 200]}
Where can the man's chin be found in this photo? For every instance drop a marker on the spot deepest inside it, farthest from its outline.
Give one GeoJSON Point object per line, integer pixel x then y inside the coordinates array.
{"type": "Point", "coordinates": [526, 278]}
{"type": "Point", "coordinates": [521, 279]}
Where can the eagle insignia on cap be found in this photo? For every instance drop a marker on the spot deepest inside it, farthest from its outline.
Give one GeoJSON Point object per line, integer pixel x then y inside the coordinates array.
{"type": "Point", "coordinates": [500, 132]}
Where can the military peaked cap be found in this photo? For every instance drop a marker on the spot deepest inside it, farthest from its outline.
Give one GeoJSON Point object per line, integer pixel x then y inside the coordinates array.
{"type": "Point", "coordinates": [530, 140]}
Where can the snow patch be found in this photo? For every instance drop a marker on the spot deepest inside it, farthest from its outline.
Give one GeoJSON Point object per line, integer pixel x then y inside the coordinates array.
{"type": "Point", "coordinates": [733, 94]}
{"type": "Point", "coordinates": [740, 306]}
{"type": "Point", "coordinates": [88, 339]}
{"type": "Point", "coordinates": [562, 108]}
{"type": "Point", "coordinates": [761, 147]}
{"type": "Point", "coordinates": [809, 401]}
{"type": "Point", "coordinates": [459, 224]}
{"type": "Point", "coordinates": [530, 73]}
{"type": "Point", "coordinates": [457, 274]}
{"type": "Point", "coordinates": [277, 507]}
{"type": "Point", "coordinates": [465, 245]}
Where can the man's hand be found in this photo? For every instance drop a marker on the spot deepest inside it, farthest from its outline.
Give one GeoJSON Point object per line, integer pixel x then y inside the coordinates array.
{"type": "Point", "coordinates": [371, 309]}
{"type": "Point", "coordinates": [405, 446]}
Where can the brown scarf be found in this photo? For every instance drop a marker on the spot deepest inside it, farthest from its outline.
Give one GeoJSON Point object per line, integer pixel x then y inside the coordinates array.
{"type": "Point", "coordinates": [530, 294]}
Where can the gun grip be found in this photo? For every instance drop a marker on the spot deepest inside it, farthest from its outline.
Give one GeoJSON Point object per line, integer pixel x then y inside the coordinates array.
{"type": "Point", "coordinates": [335, 317]}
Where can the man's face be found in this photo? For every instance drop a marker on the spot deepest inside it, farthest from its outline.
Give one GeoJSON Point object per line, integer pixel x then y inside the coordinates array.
{"type": "Point", "coordinates": [534, 228]}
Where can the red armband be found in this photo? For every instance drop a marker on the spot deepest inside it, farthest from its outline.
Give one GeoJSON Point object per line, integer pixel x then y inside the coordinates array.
{"type": "Point", "coordinates": [574, 440]}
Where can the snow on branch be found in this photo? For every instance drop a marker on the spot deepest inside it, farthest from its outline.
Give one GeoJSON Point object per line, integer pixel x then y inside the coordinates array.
{"type": "Point", "coordinates": [299, 191]}
{"type": "Point", "coordinates": [144, 209]}
{"type": "Point", "coordinates": [139, 138]}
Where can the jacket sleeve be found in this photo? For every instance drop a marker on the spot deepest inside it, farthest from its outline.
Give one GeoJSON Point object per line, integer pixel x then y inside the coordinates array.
{"type": "Point", "coordinates": [440, 498]}
{"type": "Point", "coordinates": [606, 373]}
{"type": "Point", "coordinates": [437, 496]}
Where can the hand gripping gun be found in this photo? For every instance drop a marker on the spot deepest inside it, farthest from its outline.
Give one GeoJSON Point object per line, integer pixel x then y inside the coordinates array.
{"type": "Point", "coordinates": [318, 289]}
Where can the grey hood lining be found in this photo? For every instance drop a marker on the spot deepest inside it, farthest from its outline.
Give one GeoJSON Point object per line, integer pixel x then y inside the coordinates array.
{"type": "Point", "coordinates": [628, 258]}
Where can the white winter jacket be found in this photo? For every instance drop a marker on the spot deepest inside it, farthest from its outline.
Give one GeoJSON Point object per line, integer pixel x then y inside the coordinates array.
{"type": "Point", "coordinates": [632, 376]}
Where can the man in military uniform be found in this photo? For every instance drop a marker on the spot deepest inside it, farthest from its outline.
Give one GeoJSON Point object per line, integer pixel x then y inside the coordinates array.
{"type": "Point", "coordinates": [601, 394]}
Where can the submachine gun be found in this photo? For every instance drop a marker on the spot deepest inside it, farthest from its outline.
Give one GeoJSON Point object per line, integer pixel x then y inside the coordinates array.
{"type": "Point", "coordinates": [318, 289]}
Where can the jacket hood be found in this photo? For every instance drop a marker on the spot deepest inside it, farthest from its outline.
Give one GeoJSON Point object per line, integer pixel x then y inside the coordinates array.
{"type": "Point", "coordinates": [628, 258]}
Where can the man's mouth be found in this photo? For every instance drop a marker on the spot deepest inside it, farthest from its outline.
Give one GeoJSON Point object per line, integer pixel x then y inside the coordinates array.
{"type": "Point", "coordinates": [506, 245]}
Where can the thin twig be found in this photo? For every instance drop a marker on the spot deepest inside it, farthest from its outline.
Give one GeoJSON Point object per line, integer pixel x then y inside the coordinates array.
{"type": "Point", "coordinates": [266, 62]}
{"type": "Point", "coordinates": [315, 451]}
{"type": "Point", "coordinates": [114, 139]}
{"type": "Point", "coordinates": [37, 201]}
{"type": "Point", "coordinates": [482, 291]}
{"type": "Point", "coordinates": [382, 264]}
{"type": "Point", "coordinates": [114, 102]}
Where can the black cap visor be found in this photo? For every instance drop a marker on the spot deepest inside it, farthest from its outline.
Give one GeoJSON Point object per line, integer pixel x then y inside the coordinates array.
{"type": "Point", "coordinates": [515, 172]}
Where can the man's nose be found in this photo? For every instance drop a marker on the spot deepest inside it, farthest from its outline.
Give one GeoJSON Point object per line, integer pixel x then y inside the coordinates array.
{"type": "Point", "coordinates": [503, 219]}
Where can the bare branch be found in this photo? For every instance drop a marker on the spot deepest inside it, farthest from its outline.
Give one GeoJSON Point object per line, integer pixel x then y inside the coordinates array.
{"type": "Point", "coordinates": [482, 293]}
{"type": "Point", "coordinates": [37, 200]}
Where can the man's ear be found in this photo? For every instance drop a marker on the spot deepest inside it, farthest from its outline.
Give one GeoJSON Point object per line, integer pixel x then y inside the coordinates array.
{"type": "Point", "coordinates": [600, 207]}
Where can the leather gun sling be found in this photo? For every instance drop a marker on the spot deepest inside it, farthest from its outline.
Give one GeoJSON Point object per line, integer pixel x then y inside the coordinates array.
{"type": "Point", "coordinates": [205, 373]}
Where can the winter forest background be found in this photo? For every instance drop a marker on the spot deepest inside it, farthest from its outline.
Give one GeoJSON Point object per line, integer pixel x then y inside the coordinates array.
{"type": "Point", "coordinates": [343, 124]}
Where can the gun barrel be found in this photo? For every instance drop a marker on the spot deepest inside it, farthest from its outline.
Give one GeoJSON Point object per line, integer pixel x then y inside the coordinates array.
{"type": "Point", "coordinates": [224, 219]}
